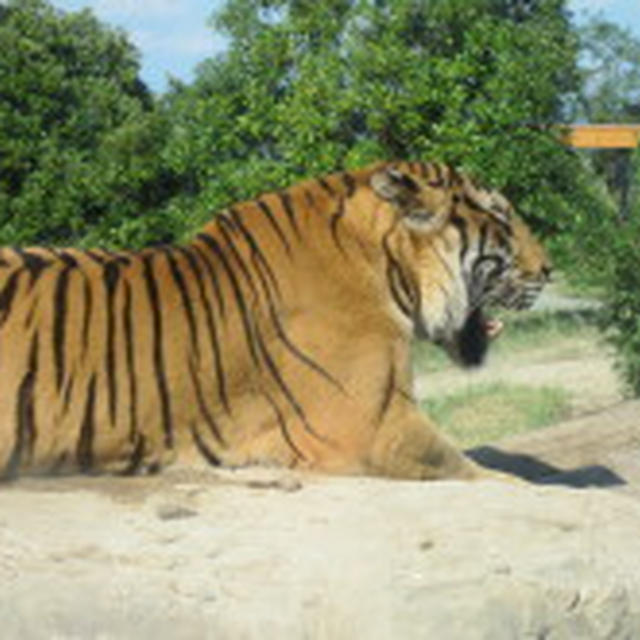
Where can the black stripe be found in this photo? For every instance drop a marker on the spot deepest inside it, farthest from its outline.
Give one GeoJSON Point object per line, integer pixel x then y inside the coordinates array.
{"type": "Point", "coordinates": [202, 405]}
{"type": "Point", "coordinates": [88, 308]}
{"type": "Point", "coordinates": [28, 321]}
{"type": "Point", "coordinates": [502, 240]}
{"type": "Point", "coordinates": [211, 326]}
{"type": "Point", "coordinates": [257, 256]}
{"type": "Point", "coordinates": [58, 463]}
{"type": "Point", "coordinates": [335, 220]}
{"type": "Point", "coordinates": [137, 456]}
{"type": "Point", "coordinates": [204, 450]}
{"type": "Point", "coordinates": [66, 402]}
{"type": "Point", "coordinates": [439, 181]}
{"type": "Point", "coordinates": [478, 207]}
{"type": "Point", "coordinates": [395, 279]}
{"type": "Point", "coordinates": [461, 225]}
{"type": "Point", "coordinates": [326, 186]}
{"type": "Point", "coordinates": [349, 182]}
{"type": "Point", "coordinates": [96, 257]}
{"type": "Point", "coordinates": [117, 256]}
{"type": "Point", "coordinates": [127, 324]}
{"type": "Point", "coordinates": [308, 196]}
{"type": "Point", "coordinates": [68, 259]}
{"type": "Point", "coordinates": [84, 447]}
{"type": "Point", "coordinates": [6, 296]}
{"type": "Point", "coordinates": [482, 244]}
{"type": "Point", "coordinates": [34, 263]}
{"type": "Point", "coordinates": [26, 399]}
{"type": "Point", "coordinates": [26, 433]}
{"type": "Point", "coordinates": [497, 262]}
{"type": "Point", "coordinates": [225, 223]}
{"type": "Point", "coordinates": [455, 178]}
{"type": "Point", "coordinates": [274, 223]}
{"type": "Point", "coordinates": [277, 377]}
{"type": "Point", "coordinates": [59, 324]}
{"type": "Point", "coordinates": [158, 352]}
{"type": "Point", "coordinates": [293, 349]}
{"type": "Point", "coordinates": [396, 275]}
{"type": "Point", "coordinates": [282, 423]}
{"type": "Point", "coordinates": [213, 277]}
{"type": "Point", "coordinates": [111, 276]}
{"type": "Point", "coordinates": [285, 201]}
{"type": "Point", "coordinates": [389, 389]}
{"type": "Point", "coordinates": [237, 292]}
{"type": "Point", "coordinates": [472, 204]}
{"type": "Point", "coordinates": [185, 298]}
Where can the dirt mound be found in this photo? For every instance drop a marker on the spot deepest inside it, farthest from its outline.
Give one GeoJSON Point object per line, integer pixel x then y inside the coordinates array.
{"type": "Point", "coordinates": [335, 558]}
{"type": "Point", "coordinates": [253, 554]}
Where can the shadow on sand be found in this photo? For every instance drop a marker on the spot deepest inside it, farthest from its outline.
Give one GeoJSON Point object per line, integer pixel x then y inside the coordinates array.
{"type": "Point", "coordinates": [535, 470]}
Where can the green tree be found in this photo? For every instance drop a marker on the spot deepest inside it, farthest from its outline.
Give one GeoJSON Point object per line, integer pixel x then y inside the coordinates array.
{"type": "Point", "coordinates": [610, 68]}
{"type": "Point", "coordinates": [307, 87]}
{"type": "Point", "coordinates": [620, 318]}
{"type": "Point", "coordinates": [609, 92]}
{"type": "Point", "coordinates": [78, 135]}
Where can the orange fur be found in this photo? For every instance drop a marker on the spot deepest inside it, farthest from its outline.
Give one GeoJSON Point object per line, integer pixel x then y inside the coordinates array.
{"type": "Point", "coordinates": [279, 335]}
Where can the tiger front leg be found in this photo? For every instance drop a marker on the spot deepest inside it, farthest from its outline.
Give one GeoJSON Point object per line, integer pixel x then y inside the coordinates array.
{"type": "Point", "coordinates": [409, 446]}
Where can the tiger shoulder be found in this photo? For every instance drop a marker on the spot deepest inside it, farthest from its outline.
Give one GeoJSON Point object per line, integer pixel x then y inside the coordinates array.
{"type": "Point", "coordinates": [280, 335]}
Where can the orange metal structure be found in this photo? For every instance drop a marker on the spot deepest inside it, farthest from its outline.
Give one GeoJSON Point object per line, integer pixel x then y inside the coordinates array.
{"type": "Point", "coordinates": [603, 136]}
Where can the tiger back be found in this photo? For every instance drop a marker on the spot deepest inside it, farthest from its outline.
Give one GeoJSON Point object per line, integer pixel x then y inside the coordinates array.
{"type": "Point", "coordinates": [279, 335]}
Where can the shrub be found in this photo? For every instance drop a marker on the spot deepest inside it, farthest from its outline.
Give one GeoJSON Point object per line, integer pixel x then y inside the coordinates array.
{"type": "Point", "coordinates": [621, 315]}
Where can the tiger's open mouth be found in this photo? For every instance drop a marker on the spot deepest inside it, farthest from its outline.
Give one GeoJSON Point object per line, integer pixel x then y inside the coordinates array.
{"type": "Point", "coordinates": [471, 343]}
{"type": "Point", "coordinates": [493, 327]}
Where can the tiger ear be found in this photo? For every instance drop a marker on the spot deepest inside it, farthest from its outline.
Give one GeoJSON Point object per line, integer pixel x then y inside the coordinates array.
{"type": "Point", "coordinates": [394, 185]}
{"type": "Point", "coordinates": [423, 208]}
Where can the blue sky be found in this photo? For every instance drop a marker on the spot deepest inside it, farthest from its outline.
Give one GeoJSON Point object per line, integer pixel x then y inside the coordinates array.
{"type": "Point", "coordinates": [172, 35]}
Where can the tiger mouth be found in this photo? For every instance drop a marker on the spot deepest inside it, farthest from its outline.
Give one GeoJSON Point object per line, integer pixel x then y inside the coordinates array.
{"type": "Point", "coordinates": [469, 345]}
{"type": "Point", "coordinates": [493, 327]}
{"type": "Point", "coordinates": [471, 342]}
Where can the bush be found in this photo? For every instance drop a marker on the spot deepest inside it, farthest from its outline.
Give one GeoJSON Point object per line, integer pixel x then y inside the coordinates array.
{"type": "Point", "coordinates": [621, 316]}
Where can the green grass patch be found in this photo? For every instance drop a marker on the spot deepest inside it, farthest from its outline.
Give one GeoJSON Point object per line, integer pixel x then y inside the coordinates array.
{"type": "Point", "coordinates": [486, 412]}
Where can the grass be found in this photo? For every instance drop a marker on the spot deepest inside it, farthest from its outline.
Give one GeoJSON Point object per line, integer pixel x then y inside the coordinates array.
{"type": "Point", "coordinates": [481, 411]}
{"type": "Point", "coordinates": [485, 412]}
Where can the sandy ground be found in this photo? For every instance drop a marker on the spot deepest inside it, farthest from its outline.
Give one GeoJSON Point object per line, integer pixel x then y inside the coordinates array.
{"type": "Point", "coordinates": [202, 553]}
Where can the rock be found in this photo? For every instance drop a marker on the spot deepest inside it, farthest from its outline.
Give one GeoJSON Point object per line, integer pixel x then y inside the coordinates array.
{"type": "Point", "coordinates": [338, 558]}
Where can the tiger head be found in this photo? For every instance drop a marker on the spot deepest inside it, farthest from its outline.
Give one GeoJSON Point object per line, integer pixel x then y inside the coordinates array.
{"type": "Point", "coordinates": [454, 249]}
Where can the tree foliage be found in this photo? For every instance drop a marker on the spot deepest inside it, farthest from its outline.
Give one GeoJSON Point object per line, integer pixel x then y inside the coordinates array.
{"type": "Point", "coordinates": [609, 91]}
{"type": "Point", "coordinates": [610, 70]}
{"type": "Point", "coordinates": [307, 87]}
{"type": "Point", "coordinates": [78, 134]}
{"type": "Point", "coordinates": [87, 155]}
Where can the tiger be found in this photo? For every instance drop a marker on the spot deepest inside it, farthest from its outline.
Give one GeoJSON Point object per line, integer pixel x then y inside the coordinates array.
{"type": "Point", "coordinates": [280, 335]}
